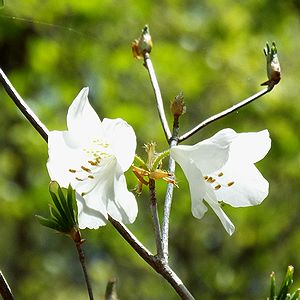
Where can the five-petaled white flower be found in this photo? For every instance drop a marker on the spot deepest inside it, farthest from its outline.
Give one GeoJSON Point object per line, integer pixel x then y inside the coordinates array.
{"type": "Point", "coordinates": [92, 156]}
{"type": "Point", "coordinates": [221, 170]}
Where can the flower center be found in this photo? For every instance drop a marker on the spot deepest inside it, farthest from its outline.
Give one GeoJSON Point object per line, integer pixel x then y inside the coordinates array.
{"type": "Point", "coordinates": [94, 158]}
{"type": "Point", "coordinates": [217, 181]}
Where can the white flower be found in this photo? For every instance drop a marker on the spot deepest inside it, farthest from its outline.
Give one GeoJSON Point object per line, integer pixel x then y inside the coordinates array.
{"type": "Point", "coordinates": [221, 169]}
{"type": "Point", "coordinates": [92, 156]}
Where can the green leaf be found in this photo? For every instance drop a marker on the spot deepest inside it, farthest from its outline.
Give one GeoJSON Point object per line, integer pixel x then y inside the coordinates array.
{"type": "Point", "coordinates": [55, 214]}
{"type": "Point", "coordinates": [296, 295]}
{"type": "Point", "coordinates": [286, 284]}
{"type": "Point", "coordinates": [272, 290]}
{"type": "Point", "coordinates": [71, 201]}
{"type": "Point", "coordinates": [48, 223]}
{"type": "Point", "coordinates": [65, 207]}
{"type": "Point", "coordinates": [57, 204]}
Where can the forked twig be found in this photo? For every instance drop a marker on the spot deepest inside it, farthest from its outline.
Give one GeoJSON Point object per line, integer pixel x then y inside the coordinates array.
{"type": "Point", "coordinates": [157, 264]}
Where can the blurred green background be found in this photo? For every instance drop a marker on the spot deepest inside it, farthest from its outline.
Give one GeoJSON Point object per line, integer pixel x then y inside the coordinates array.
{"type": "Point", "coordinates": [210, 50]}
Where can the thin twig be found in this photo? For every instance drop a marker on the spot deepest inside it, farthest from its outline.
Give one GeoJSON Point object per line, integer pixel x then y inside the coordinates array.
{"type": "Point", "coordinates": [160, 266]}
{"type": "Point", "coordinates": [24, 108]}
{"type": "Point", "coordinates": [133, 241]}
{"type": "Point", "coordinates": [155, 218]}
{"type": "Point", "coordinates": [5, 289]}
{"type": "Point", "coordinates": [157, 93]}
{"type": "Point", "coordinates": [224, 113]}
{"type": "Point", "coordinates": [83, 266]}
{"type": "Point", "coordinates": [167, 208]}
{"type": "Point", "coordinates": [169, 194]}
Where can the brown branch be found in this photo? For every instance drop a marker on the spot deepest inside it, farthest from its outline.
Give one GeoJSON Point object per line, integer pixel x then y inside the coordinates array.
{"type": "Point", "coordinates": [83, 266]}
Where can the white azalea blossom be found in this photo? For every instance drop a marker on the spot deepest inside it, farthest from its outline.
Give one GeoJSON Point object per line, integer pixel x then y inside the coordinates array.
{"type": "Point", "coordinates": [221, 170]}
{"type": "Point", "coordinates": [92, 156]}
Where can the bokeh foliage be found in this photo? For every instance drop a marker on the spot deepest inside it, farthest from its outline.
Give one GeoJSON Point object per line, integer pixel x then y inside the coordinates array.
{"type": "Point", "coordinates": [210, 50]}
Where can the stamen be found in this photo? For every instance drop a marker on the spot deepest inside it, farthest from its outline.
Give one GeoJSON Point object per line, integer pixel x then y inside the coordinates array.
{"type": "Point", "coordinates": [93, 163]}
{"type": "Point", "coordinates": [220, 174]}
{"type": "Point", "coordinates": [211, 180]}
{"type": "Point", "coordinates": [79, 179]}
{"type": "Point", "coordinates": [86, 169]}
{"type": "Point", "coordinates": [205, 177]}
{"type": "Point", "coordinates": [72, 170]}
{"type": "Point", "coordinates": [230, 183]}
{"type": "Point", "coordinates": [217, 187]}
{"type": "Point", "coordinates": [91, 177]}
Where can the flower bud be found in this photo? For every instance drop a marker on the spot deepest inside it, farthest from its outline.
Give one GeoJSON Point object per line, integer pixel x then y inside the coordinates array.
{"type": "Point", "coordinates": [273, 66]}
{"type": "Point", "coordinates": [143, 44]}
{"type": "Point", "coordinates": [177, 106]}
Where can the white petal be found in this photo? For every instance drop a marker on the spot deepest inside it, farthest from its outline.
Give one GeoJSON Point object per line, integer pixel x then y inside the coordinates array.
{"type": "Point", "coordinates": [122, 140]}
{"type": "Point", "coordinates": [124, 207]}
{"type": "Point", "coordinates": [251, 146]}
{"type": "Point", "coordinates": [223, 137]}
{"type": "Point", "coordinates": [87, 216]}
{"type": "Point", "coordinates": [208, 155]}
{"type": "Point", "coordinates": [229, 227]}
{"type": "Point", "coordinates": [61, 158]}
{"type": "Point", "coordinates": [249, 187]}
{"type": "Point", "coordinates": [82, 120]}
{"type": "Point", "coordinates": [197, 187]}
{"type": "Point", "coordinates": [97, 193]}
{"type": "Point", "coordinates": [201, 191]}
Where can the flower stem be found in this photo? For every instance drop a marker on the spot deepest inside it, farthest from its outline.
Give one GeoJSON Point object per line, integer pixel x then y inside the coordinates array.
{"type": "Point", "coordinates": [224, 113]}
{"type": "Point", "coordinates": [5, 289]}
{"type": "Point", "coordinates": [83, 266]}
{"type": "Point", "coordinates": [157, 93]}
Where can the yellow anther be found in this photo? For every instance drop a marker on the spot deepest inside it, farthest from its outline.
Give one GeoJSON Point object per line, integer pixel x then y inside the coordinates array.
{"type": "Point", "coordinates": [220, 174]}
{"type": "Point", "coordinates": [91, 177]}
{"type": "Point", "coordinates": [211, 180]}
{"type": "Point", "coordinates": [93, 163]}
{"type": "Point", "coordinates": [230, 183]}
{"type": "Point", "coordinates": [205, 177]}
{"type": "Point", "coordinates": [217, 187]}
{"type": "Point", "coordinates": [86, 169]}
{"type": "Point", "coordinates": [72, 170]}
{"type": "Point", "coordinates": [79, 179]}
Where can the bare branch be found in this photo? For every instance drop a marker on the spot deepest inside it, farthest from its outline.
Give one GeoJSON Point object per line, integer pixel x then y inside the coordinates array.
{"type": "Point", "coordinates": [155, 218]}
{"type": "Point", "coordinates": [5, 289]}
{"type": "Point", "coordinates": [24, 108]}
{"type": "Point", "coordinates": [224, 113]}
{"type": "Point", "coordinates": [160, 266]}
{"type": "Point", "coordinates": [157, 93]}
{"type": "Point", "coordinates": [83, 266]}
